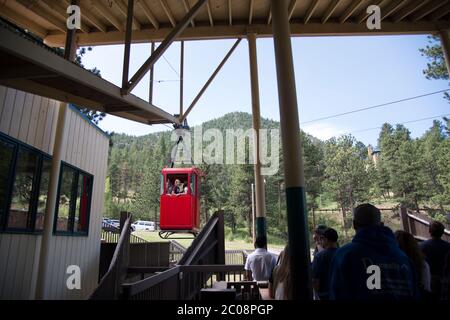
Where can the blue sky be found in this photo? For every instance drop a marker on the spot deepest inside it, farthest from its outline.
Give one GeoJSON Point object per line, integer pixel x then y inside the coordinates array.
{"type": "Point", "coordinates": [333, 74]}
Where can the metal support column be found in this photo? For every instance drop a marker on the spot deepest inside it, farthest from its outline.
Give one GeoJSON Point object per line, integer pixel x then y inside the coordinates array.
{"type": "Point", "coordinates": [127, 49]}
{"type": "Point", "coordinates": [52, 201]}
{"type": "Point", "coordinates": [152, 77]}
{"type": "Point", "coordinates": [181, 76]}
{"type": "Point", "coordinates": [292, 154]}
{"type": "Point", "coordinates": [256, 116]}
{"type": "Point", "coordinates": [253, 213]}
{"type": "Point", "coordinates": [445, 41]}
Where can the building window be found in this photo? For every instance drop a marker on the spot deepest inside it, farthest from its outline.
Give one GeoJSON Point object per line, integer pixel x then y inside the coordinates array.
{"type": "Point", "coordinates": [20, 210]}
{"type": "Point", "coordinates": [74, 200]}
{"type": "Point", "coordinates": [24, 182]}
{"type": "Point", "coordinates": [193, 179]}
{"type": "Point", "coordinates": [6, 163]}
{"type": "Point", "coordinates": [43, 193]}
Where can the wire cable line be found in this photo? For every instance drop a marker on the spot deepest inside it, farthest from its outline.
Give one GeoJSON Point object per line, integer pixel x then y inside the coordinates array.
{"type": "Point", "coordinates": [411, 121]}
{"type": "Point", "coordinates": [374, 107]}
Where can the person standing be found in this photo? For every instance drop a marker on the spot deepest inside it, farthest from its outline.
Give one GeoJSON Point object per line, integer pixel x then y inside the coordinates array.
{"type": "Point", "coordinates": [260, 264]}
{"type": "Point", "coordinates": [281, 285]}
{"type": "Point", "coordinates": [372, 266]}
{"type": "Point", "coordinates": [410, 246]}
{"type": "Point", "coordinates": [322, 262]}
{"type": "Point", "coordinates": [435, 251]}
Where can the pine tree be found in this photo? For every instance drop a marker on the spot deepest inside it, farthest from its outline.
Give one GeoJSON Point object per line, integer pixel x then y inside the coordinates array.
{"type": "Point", "coordinates": [346, 178]}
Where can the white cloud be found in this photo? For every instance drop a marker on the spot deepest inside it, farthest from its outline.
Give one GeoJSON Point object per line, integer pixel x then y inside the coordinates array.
{"type": "Point", "coordinates": [323, 131]}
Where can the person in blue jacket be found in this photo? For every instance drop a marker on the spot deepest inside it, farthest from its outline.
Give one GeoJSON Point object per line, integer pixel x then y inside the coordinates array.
{"type": "Point", "coordinates": [372, 266]}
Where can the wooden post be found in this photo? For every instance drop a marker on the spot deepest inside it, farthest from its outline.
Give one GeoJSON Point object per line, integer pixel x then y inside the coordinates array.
{"type": "Point", "coordinates": [210, 80]}
{"type": "Point", "coordinates": [181, 76]}
{"type": "Point", "coordinates": [152, 79]}
{"type": "Point", "coordinates": [52, 201]}
{"type": "Point", "coordinates": [253, 214]}
{"type": "Point", "coordinates": [405, 219]}
{"type": "Point", "coordinates": [220, 238]}
{"type": "Point", "coordinates": [445, 41]}
{"type": "Point", "coordinates": [260, 209]}
{"type": "Point", "coordinates": [124, 259]}
{"type": "Point", "coordinates": [127, 50]}
{"type": "Point", "coordinates": [293, 161]}
{"type": "Point", "coordinates": [164, 46]}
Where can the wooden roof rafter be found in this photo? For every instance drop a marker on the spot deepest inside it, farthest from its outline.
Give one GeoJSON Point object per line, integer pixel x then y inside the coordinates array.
{"type": "Point", "coordinates": [408, 9]}
{"type": "Point", "coordinates": [310, 11]}
{"type": "Point", "coordinates": [331, 8]}
{"type": "Point", "coordinates": [168, 12]}
{"type": "Point", "coordinates": [61, 12]}
{"type": "Point", "coordinates": [107, 14]}
{"type": "Point", "coordinates": [230, 12]}
{"type": "Point", "coordinates": [88, 16]}
{"type": "Point", "coordinates": [428, 9]}
{"type": "Point", "coordinates": [221, 19]}
{"type": "Point", "coordinates": [210, 16]}
{"type": "Point", "coordinates": [364, 15]}
{"type": "Point", "coordinates": [42, 11]}
{"type": "Point", "coordinates": [187, 7]}
{"type": "Point", "coordinates": [148, 13]}
{"type": "Point", "coordinates": [391, 8]}
{"type": "Point", "coordinates": [123, 9]}
{"type": "Point", "coordinates": [350, 10]}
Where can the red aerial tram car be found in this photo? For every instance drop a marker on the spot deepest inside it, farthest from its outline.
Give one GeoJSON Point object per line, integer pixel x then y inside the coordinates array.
{"type": "Point", "coordinates": [180, 201]}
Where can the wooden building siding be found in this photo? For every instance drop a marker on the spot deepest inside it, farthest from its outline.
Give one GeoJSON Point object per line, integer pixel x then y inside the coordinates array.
{"type": "Point", "coordinates": [32, 120]}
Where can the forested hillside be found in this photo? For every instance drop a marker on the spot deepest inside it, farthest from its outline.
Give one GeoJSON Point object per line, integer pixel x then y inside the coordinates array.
{"type": "Point", "coordinates": [339, 174]}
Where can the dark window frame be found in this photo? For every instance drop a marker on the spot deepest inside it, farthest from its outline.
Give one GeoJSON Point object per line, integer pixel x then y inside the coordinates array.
{"type": "Point", "coordinates": [37, 180]}
{"type": "Point", "coordinates": [73, 202]}
{"type": "Point", "coordinates": [41, 155]}
{"type": "Point", "coordinates": [33, 203]}
{"type": "Point", "coordinates": [9, 183]}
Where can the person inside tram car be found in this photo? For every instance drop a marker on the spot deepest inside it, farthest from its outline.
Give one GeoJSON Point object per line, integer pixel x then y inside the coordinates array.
{"type": "Point", "coordinates": [169, 186]}
{"type": "Point", "coordinates": [175, 189]}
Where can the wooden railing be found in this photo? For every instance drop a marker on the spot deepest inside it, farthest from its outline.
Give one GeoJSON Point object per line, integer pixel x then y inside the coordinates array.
{"type": "Point", "coordinates": [176, 252]}
{"type": "Point", "coordinates": [234, 257]}
{"type": "Point", "coordinates": [111, 234]}
{"type": "Point", "coordinates": [109, 287]}
{"type": "Point", "coordinates": [202, 263]}
{"type": "Point", "coordinates": [417, 224]}
{"type": "Point", "coordinates": [182, 282]}
{"type": "Point", "coordinates": [209, 246]}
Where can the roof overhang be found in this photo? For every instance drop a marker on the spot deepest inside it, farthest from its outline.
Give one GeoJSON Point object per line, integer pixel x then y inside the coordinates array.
{"type": "Point", "coordinates": [33, 68]}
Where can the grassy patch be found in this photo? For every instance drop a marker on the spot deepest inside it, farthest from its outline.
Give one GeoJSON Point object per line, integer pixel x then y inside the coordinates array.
{"type": "Point", "coordinates": [236, 244]}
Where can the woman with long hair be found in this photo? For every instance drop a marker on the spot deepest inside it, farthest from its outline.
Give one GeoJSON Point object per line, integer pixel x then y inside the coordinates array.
{"type": "Point", "coordinates": [411, 248]}
{"type": "Point", "coordinates": [282, 284]}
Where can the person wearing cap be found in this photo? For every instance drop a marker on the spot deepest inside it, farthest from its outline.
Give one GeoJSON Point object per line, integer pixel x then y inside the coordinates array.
{"type": "Point", "coordinates": [372, 266]}
{"type": "Point", "coordinates": [321, 264]}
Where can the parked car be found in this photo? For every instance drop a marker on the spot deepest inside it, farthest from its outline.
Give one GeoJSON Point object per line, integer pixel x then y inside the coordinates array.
{"type": "Point", "coordinates": [143, 226]}
{"type": "Point", "coordinates": [115, 223]}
